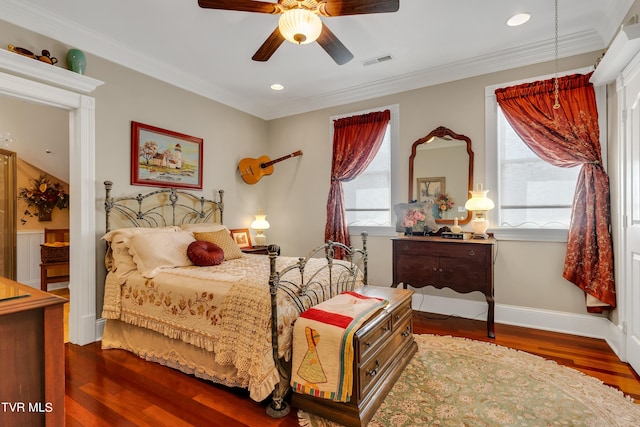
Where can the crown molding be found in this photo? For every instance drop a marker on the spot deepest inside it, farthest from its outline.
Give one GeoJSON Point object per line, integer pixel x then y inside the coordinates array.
{"type": "Point", "coordinates": [623, 48]}
{"type": "Point", "coordinates": [574, 44]}
{"type": "Point", "coordinates": [34, 19]}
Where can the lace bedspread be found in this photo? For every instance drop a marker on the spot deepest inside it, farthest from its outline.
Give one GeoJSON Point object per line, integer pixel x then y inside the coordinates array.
{"type": "Point", "coordinates": [225, 309]}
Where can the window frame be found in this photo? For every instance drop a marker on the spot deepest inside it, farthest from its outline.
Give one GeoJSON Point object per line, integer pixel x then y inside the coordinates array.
{"type": "Point", "coordinates": [394, 137]}
{"type": "Point", "coordinates": [492, 181]}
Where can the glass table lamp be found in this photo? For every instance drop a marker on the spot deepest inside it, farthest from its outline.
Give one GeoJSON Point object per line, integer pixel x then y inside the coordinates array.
{"type": "Point", "coordinates": [479, 204]}
{"type": "Point", "coordinates": [260, 224]}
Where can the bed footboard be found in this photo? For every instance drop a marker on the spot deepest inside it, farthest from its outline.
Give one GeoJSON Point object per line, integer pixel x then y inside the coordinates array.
{"type": "Point", "coordinates": [343, 276]}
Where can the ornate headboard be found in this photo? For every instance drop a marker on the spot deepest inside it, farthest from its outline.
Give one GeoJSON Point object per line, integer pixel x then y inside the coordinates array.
{"type": "Point", "coordinates": [160, 208]}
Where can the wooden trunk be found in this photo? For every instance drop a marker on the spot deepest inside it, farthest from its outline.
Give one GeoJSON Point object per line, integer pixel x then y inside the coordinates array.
{"type": "Point", "coordinates": [383, 346]}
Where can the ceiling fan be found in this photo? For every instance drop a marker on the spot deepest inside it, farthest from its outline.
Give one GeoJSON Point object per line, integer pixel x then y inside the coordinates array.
{"type": "Point", "coordinates": [299, 21]}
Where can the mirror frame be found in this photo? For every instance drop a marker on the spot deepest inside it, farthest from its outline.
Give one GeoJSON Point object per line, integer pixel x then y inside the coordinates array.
{"type": "Point", "coordinates": [440, 132]}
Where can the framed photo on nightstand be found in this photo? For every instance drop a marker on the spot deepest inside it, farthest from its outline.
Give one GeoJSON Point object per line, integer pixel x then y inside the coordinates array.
{"type": "Point", "coordinates": [242, 237]}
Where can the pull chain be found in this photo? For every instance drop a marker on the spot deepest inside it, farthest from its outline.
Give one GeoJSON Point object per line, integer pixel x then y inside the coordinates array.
{"type": "Point", "coordinates": [556, 105]}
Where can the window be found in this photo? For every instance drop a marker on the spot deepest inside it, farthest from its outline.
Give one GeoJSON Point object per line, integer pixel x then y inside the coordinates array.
{"type": "Point", "coordinates": [368, 198]}
{"type": "Point", "coordinates": [533, 198]}
{"type": "Point", "coordinates": [533, 193]}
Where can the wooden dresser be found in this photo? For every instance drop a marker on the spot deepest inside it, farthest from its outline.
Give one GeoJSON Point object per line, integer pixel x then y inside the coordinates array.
{"type": "Point", "coordinates": [462, 265]}
{"type": "Point", "coordinates": [32, 356]}
{"type": "Point", "coordinates": [383, 346]}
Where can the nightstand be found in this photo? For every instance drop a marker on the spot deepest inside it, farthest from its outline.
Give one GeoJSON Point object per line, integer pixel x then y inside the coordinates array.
{"type": "Point", "coordinates": [258, 250]}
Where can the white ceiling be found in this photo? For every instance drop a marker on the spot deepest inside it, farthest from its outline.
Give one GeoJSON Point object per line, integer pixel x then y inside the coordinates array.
{"type": "Point", "coordinates": [209, 51]}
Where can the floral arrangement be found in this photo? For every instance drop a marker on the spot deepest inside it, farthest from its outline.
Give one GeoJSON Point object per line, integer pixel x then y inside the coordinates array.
{"type": "Point", "coordinates": [44, 195]}
{"type": "Point", "coordinates": [444, 202]}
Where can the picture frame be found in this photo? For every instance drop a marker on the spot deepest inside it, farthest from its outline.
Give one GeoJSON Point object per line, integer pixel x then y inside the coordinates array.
{"type": "Point", "coordinates": [164, 158]}
{"type": "Point", "coordinates": [415, 218]}
{"type": "Point", "coordinates": [242, 237]}
{"type": "Point", "coordinates": [429, 189]}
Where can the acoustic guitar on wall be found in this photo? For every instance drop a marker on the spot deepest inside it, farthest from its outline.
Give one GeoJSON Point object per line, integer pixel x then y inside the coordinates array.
{"type": "Point", "coordinates": [251, 170]}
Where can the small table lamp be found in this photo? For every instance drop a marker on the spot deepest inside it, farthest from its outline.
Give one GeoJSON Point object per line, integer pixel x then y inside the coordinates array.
{"type": "Point", "coordinates": [259, 224]}
{"type": "Point", "coordinates": [479, 204]}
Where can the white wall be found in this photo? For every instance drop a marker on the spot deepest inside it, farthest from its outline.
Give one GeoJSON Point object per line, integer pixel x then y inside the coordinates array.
{"type": "Point", "coordinates": [294, 197]}
{"type": "Point", "coordinates": [526, 274]}
{"type": "Point", "coordinates": [129, 96]}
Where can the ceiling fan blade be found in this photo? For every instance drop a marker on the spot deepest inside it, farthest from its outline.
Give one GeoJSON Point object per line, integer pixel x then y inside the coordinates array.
{"type": "Point", "coordinates": [241, 5]}
{"type": "Point", "coordinates": [358, 7]}
{"type": "Point", "coordinates": [333, 46]}
{"type": "Point", "coordinates": [270, 45]}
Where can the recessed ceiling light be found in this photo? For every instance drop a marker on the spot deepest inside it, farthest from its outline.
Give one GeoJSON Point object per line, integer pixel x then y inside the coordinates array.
{"type": "Point", "coordinates": [518, 19]}
{"type": "Point", "coordinates": [277, 86]}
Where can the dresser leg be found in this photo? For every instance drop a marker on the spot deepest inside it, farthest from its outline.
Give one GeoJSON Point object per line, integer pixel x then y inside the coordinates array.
{"type": "Point", "coordinates": [490, 317]}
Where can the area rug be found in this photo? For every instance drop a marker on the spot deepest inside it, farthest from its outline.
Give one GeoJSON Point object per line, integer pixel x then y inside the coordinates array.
{"type": "Point", "coordinates": [461, 382]}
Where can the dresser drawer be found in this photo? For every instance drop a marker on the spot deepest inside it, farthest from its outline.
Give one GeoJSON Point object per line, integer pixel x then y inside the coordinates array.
{"type": "Point", "coordinates": [441, 249]}
{"type": "Point", "coordinates": [374, 367]}
{"type": "Point", "coordinates": [370, 340]}
{"type": "Point", "coordinates": [399, 313]}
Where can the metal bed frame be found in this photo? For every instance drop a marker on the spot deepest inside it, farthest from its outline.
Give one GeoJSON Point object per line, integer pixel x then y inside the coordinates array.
{"type": "Point", "coordinates": [166, 207]}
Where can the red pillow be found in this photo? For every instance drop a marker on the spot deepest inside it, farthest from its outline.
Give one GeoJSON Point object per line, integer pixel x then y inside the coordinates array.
{"type": "Point", "coordinates": [203, 253]}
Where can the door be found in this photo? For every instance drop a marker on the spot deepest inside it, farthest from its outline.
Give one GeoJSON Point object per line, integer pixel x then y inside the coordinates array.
{"type": "Point", "coordinates": [631, 172]}
{"type": "Point", "coordinates": [8, 214]}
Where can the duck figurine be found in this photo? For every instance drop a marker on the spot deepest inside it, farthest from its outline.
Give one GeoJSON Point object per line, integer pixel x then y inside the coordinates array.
{"type": "Point", "coordinates": [46, 57]}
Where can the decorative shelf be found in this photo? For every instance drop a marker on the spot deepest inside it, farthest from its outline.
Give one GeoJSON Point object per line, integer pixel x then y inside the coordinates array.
{"type": "Point", "coordinates": [40, 71]}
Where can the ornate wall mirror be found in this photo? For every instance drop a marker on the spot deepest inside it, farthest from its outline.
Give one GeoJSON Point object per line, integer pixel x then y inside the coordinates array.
{"type": "Point", "coordinates": [441, 163]}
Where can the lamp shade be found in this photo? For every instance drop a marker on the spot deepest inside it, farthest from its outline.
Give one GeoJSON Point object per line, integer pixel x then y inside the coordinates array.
{"type": "Point", "coordinates": [300, 26]}
{"type": "Point", "coordinates": [479, 200]}
{"type": "Point", "coordinates": [260, 223]}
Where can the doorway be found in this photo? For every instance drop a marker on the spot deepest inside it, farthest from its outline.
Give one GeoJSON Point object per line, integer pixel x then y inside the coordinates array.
{"type": "Point", "coordinates": [631, 206]}
{"type": "Point", "coordinates": [68, 91]}
{"type": "Point", "coordinates": [8, 214]}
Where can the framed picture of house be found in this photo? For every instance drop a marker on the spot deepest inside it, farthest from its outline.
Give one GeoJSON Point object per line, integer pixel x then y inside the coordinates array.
{"type": "Point", "coordinates": [242, 237]}
{"type": "Point", "coordinates": [163, 158]}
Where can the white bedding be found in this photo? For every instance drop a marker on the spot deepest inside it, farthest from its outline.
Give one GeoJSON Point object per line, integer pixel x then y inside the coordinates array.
{"type": "Point", "coordinates": [223, 309]}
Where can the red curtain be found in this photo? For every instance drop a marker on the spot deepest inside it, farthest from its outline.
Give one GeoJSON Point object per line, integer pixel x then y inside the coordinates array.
{"type": "Point", "coordinates": [569, 136]}
{"type": "Point", "coordinates": [356, 141]}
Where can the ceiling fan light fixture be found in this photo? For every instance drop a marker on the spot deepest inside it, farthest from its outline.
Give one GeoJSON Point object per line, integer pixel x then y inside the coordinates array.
{"type": "Point", "coordinates": [300, 26]}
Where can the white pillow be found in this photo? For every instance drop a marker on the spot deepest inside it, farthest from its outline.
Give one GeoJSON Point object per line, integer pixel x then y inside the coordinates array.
{"type": "Point", "coordinates": [124, 233]}
{"type": "Point", "coordinates": [153, 252]}
{"type": "Point", "coordinates": [203, 227]}
{"type": "Point", "coordinates": [123, 264]}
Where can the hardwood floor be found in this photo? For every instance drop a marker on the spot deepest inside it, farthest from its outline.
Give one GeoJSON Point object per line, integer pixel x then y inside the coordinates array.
{"type": "Point", "coordinates": [116, 388]}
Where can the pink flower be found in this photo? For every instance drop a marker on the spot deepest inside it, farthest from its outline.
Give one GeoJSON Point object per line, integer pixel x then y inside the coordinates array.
{"type": "Point", "coordinates": [412, 217]}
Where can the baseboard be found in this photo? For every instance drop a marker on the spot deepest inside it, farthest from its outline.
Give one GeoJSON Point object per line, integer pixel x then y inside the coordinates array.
{"type": "Point", "coordinates": [85, 332]}
{"type": "Point", "coordinates": [593, 326]}
{"type": "Point", "coordinates": [100, 328]}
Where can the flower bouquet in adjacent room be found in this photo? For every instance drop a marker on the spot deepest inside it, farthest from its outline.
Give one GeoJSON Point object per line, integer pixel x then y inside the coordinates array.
{"type": "Point", "coordinates": [43, 196]}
